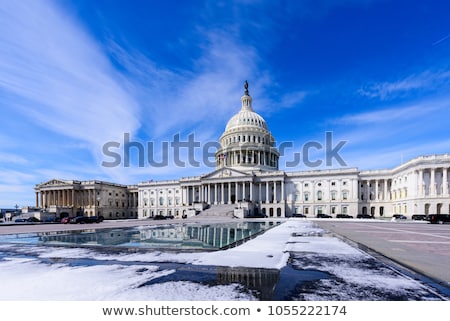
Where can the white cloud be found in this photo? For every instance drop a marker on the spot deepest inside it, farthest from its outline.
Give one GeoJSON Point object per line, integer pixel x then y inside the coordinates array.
{"type": "Point", "coordinates": [55, 74]}
{"type": "Point", "coordinates": [426, 80]}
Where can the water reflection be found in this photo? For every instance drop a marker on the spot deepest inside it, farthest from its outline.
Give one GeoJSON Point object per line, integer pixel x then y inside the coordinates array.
{"type": "Point", "coordinates": [200, 237]}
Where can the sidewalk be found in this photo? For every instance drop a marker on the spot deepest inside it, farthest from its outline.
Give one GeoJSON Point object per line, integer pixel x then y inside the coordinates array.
{"type": "Point", "coordinates": [423, 248]}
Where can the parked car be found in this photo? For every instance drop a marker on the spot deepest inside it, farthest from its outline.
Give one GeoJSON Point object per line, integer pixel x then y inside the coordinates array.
{"type": "Point", "coordinates": [399, 217]}
{"type": "Point", "coordinates": [343, 216]}
{"type": "Point", "coordinates": [86, 219]}
{"type": "Point", "coordinates": [419, 217]}
{"type": "Point", "coordinates": [364, 216]}
{"type": "Point", "coordinates": [439, 218]}
{"type": "Point", "coordinates": [323, 216]}
{"type": "Point", "coordinates": [33, 219]}
{"type": "Point", "coordinates": [20, 220]}
{"type": "Point", "coordinates": [159, 217]}
{"type": "Point", "coordinates": [298, 215]}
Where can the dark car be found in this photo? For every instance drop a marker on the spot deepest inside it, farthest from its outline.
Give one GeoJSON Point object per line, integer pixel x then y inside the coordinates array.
{"type": "Point", "coordinates": [77, 220]}
{"type": "Point", "coordinates": [298, 215]}
{"type": "Point", "coordinates": [343, 216]}
{"type": "Point", "coordinates": [364, 216]}
{"type": "Point", "coordinates": [20, 220]}
{"type": "Point", "coordinates": [419, 217]}
{"type": "Point", "coordinates": [323, 216]}
{"type": "Point", "coordinates": [159, 217]}
{"type": "Point", "coordinates": [439, 218]}
{"type": "Point", "coordinates": [399, 217]}
{"type": "Point", "coordinates": [33, 219]}
{"type": "Point", "coordinates": [86, 219]}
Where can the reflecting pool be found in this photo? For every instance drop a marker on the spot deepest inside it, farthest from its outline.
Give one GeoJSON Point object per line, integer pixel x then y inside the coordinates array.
{"type": "Point", "coordinates": [173, 236]}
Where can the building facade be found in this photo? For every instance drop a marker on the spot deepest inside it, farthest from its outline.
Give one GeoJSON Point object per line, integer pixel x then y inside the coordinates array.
{"type": "Point", "coordinates": [61, 198]}
{"type": "Point", "coordinates": [247, 182]}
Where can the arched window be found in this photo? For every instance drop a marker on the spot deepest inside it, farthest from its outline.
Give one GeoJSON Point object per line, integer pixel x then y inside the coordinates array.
{"type": "Point", "coordinates": [319, 195]}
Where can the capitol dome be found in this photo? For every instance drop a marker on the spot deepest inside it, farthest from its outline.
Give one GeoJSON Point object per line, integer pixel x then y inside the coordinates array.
{"type": "Point", "coordinates": [247, 143]}
{"type": "Point", "coordinates": [246, 117]}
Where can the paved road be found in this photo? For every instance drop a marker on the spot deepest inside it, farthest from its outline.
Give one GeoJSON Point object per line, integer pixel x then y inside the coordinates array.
{"type": "Point", "coordinates": [424, 248]}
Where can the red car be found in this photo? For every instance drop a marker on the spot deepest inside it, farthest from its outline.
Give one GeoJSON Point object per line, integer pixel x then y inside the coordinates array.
{"type": "Point", "coordinates": [65, 220]}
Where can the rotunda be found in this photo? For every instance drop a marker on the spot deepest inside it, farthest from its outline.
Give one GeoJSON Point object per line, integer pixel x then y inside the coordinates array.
{"type": "Point", "coordinates": [247, 143]}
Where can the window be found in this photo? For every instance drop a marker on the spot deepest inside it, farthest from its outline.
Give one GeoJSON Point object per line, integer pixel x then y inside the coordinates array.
{"type": "Point", "coordinates": [161, 201]}
{"type": "Point", "coordinates": [333, 195]}
{"type": "Point", "coordinates": [319, 195]}
{"type": "Point", "coordinates": [345, 195]}
{"type": "Point", "coordinates": [344, 210]}
{"type": "Point", "coordinates": [306, 195]}
{"type": "Point", "coordinates": [333, 209]}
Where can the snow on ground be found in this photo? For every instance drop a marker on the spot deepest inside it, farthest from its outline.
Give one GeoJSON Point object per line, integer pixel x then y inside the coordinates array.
{"type": "Point", "coordinates": [32, 272]}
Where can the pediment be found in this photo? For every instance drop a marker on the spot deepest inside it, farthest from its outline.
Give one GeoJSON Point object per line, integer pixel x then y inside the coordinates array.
{"type": "Point", "coordinates": [225, 172]}
{"type": "Point", "coordinates": [56, 182]}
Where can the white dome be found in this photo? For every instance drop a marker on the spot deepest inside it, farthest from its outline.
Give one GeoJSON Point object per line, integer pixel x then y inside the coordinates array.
{"type": "Point", "coordinates": [246, 118]}
{"type": "Point", "coordinates": [247, 143]}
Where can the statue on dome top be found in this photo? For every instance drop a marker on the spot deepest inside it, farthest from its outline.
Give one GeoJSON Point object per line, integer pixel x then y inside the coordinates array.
{"type": "Point", "coordinates": [246, 87]}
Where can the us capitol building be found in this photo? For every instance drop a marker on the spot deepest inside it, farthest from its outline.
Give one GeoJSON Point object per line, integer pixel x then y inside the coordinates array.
{"type": "Point", "coordinates": [247, 182]}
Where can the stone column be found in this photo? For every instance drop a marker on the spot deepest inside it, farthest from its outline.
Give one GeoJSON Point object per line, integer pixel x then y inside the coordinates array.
{"type": "Point", "coordinates": [282, 190]}
{"type": "Point", "coordinates": [444, 181]}
{"type": "Point", "coordinates": [259, 192]}
{"type": "Point", "coordinates": [433, 182]}
{"type": "Point", "coordinates": [354, 191]}
{"type": "Point", "coordinates": [215, 193]}
{"type": "Point", "coordinates": [420, 183]}
{"type": "Point", "coordinates": [208, 191]}
{"type": "Point", "coordinates": [251, 191]}
{"type": "Point", "coordinates": [243, 191]}
{"type": "Point", "coordinates": [222, 194]}
{"type": "Point", "coordinates": [37, 199]}
{"type": "Point", "coordinates": [275, 199]}
{"type": "Point", "coordinates": [229, 193]}
{"type": "Point", "coordinates": [376, 190]}
{"type": "Point", "coordinates": [267, 192]}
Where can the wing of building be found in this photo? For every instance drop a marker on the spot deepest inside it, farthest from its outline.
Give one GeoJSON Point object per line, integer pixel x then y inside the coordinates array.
{"type": "Point", "coordinates": [247, 183]}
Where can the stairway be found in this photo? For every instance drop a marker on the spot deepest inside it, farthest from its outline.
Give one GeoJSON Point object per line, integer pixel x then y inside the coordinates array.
{"type": "Point", "coordinates": [220, 210]}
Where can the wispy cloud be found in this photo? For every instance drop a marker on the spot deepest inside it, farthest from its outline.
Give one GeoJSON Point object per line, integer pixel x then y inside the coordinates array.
{"type": "Point", "coordinates": [424, 81]}
{"type": "Point", "coordinates": [52, 72]}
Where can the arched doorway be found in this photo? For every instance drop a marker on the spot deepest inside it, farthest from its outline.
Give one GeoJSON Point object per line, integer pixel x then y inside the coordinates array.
{"type": "Point", "coordinates": [364, 210]}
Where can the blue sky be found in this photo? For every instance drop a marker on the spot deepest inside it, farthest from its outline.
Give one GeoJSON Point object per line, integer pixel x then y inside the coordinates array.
{"type": "Point", "coordinates": [75, 75]}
